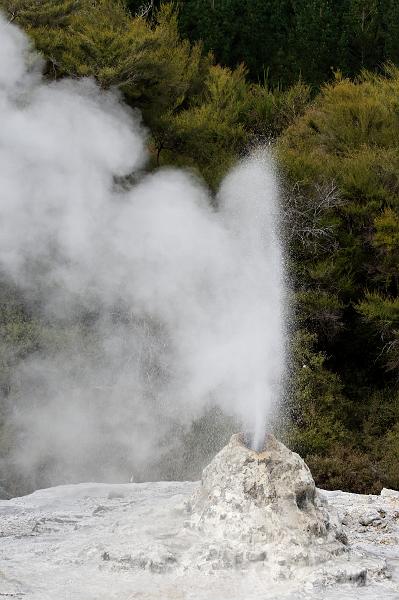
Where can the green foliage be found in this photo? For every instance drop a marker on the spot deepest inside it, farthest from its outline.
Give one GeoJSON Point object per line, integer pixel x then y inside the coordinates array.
{"type": "Point", "coordinates": [383, 313]}
{"type": "Point", "coordinates": [210, 134]}
{"type": "Point", "coordinates": [349, 135]}
{"type": "Point", "coordinates": [364, 458]}
{"type": "Point", "coordinates": [320, 312]}
{"type": "Point", "coordinates": [253, 31]}
{"type": "Point", "coordinates": [194, 109]}
{"type": "Point", "coordinates": [381, 435]}
{"type": "Point", "coordinates": [40, 13]}
{"type": "Point", "coordinates": [382, 310]}
{"type": "Point", "coordinates": [101, 40]}
{"type": "Point", "coordinates": [347, 289]}
{"type": "Point", "coordinates": [346, 468]}
{"type": "Point", "coordinates": [363, 39]}
{"type": "Point", "coordinates": [201, 115]}
{"type": "Point", "coordinates": [229, 115]}
{"type": "Point", "coordinates": [314, 32]}
{"type": "Point", "coordinates": [282, 40]}
{"type": "Point", "coordinates": [317, 407]}
{"type": "Point", "coordinates": [269, 111]}
{"type": "Point", "coordinates": [387, 449]}
{"type": "Point", "coordinates": [339, 157]}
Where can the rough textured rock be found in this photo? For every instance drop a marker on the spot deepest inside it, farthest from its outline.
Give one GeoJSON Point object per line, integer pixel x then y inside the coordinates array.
{"type": "Point", "coordinates": [119, 542]}
{"type": "Point", "coordinates": [265, 506]}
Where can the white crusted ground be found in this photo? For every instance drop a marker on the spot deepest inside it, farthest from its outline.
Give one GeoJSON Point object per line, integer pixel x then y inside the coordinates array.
{"type": "Point", "coordinates": [125, 542]}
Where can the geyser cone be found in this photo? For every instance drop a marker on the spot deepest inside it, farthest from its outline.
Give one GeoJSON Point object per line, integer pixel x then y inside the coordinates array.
{"type": "Point", "coordinates": [263, 500]}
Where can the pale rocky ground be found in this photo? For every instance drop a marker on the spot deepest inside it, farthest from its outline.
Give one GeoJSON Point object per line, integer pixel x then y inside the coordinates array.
{"type": "Point", "coordinates": [140, 542]}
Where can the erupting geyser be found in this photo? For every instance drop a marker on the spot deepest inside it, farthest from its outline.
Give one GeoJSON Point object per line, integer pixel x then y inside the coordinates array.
{"type": "Point", "coordinates": [249, 207]}
{"type": "Point", "coordinates": [184, 302]}
{"type": "Point", "coordinates": [154, 304]}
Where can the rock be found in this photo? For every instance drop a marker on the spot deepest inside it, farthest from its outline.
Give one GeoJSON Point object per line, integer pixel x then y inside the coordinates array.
{"type": "Point", "coordinates": [387, 493]}
{"type": "Point", "coordinates": [115, 495]}
{"type": "Point", "coordinates": [372, 518]}
{"type": "Point", "coordinates": [101, 509]}
{"type": "Point", "coordinates": [142, 547]}
{"type": "Point", "coordinates": [155, 560]}
{"type": "Point", "coordinates": [265, 503]}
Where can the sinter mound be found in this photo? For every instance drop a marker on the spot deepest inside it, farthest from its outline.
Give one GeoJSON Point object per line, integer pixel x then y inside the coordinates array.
{"type": "Point", "coordinates": [264, 507]}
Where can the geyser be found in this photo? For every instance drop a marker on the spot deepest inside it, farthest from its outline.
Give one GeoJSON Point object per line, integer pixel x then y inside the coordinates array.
{"type": "Point", "coordinates": [264, 507]}
{"type": "Point", "coordinates": [154, 305]}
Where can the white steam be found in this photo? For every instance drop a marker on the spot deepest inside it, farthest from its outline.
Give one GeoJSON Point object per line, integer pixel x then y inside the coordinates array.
{"type": "Point", "coordinates": [160, 306]}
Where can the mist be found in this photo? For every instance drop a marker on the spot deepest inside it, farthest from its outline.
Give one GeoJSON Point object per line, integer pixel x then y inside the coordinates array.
{"type": "Point", "coordinates": [158, 307]}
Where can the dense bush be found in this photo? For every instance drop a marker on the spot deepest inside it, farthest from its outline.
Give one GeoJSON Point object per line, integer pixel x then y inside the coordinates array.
{"type": "Point", "coordinates": [283, 39]}
{"type": "Point", "coordinates": [200, 115]}
{"type": "Point", "coordinates": [346, 269]}
{"type": "Point", "coordinates": [339, 160]}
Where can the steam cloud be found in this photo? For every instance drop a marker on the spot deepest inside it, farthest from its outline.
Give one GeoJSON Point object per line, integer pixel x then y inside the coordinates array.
{"type": "Point", "coordinates": [160, 305]}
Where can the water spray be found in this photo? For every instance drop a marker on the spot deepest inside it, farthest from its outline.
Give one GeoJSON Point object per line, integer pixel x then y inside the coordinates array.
{"type": "Point", "coordinates": [199, 291]}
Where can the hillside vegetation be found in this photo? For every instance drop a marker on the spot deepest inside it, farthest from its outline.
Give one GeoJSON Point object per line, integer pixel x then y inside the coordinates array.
{"type": "Point", "coordinates": [330, 109]}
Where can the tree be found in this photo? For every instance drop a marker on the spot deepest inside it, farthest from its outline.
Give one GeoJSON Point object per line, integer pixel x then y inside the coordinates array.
{"type": "Point", "coordinates": [347, 285]}
{"type": "Point", "coordinates": [37, 13]}
{"type": "Point", "coordinates": [362, 37]}
{"type": "Point", "coordinates": [313, 38]}
{"type": "Point", "coordinates": [390, 25]}
{"type": "Point", "coordinates": [251, 31]}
